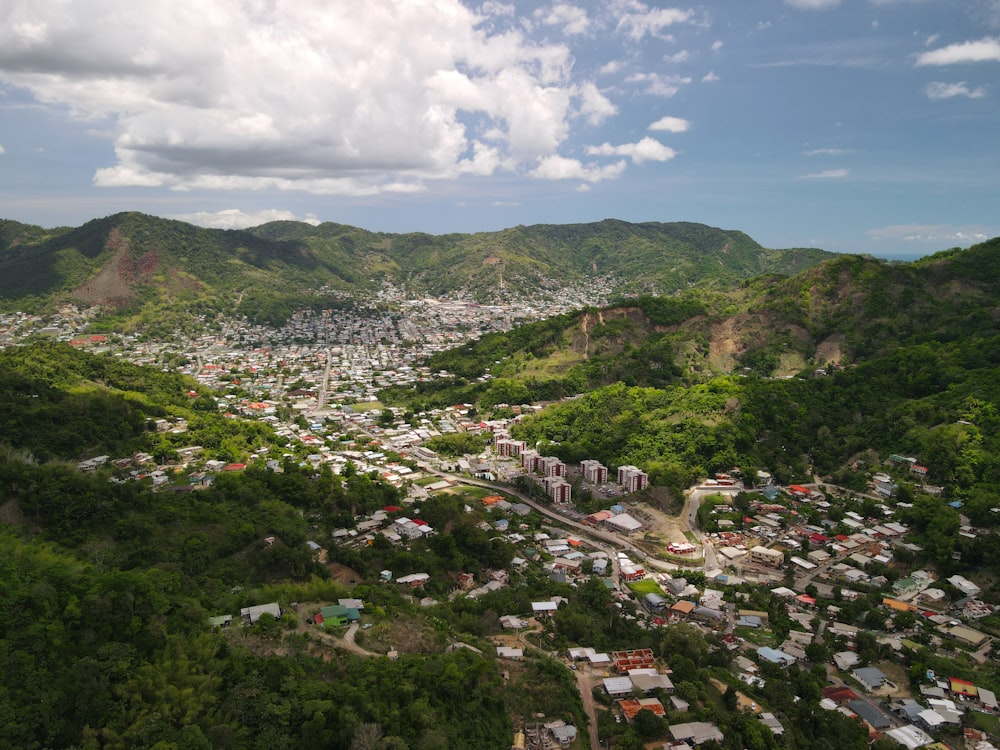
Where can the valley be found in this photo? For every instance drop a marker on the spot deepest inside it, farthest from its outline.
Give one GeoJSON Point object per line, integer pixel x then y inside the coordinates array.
{"type": "Point", "coordinates": [724, 516]}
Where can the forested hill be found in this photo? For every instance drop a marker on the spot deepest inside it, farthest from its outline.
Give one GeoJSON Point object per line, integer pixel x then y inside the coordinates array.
{"type": "Point", "coordinates": [151, 267]}
{"type": "Point", "coordinates": [844, 311]}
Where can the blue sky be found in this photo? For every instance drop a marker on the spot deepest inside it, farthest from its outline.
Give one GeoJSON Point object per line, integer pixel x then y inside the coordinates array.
{"type": "Point", "coordinates": [852, 125]}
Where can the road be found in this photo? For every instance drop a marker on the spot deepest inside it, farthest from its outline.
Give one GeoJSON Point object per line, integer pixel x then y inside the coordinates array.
{"type": "Point", "coordinates": [346, 641]}
{"type": "Point", "coordinates": [588, 531]}
{"type": "Point", "coordinates": [324, 387]}
{"type": "Point", "coordinates": [586, 682]}
{"type": "Point", "coordinates": [690, 514]}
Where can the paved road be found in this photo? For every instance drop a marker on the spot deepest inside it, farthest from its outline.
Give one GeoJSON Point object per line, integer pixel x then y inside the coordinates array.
{"type": "Point", "coordinates": [690, 514]}
{"type": "Point", "coordinates": [588, 531]}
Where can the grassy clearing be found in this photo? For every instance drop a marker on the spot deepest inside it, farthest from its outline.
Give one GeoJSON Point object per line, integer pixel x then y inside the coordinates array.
{"type": "Point", "coordinates": [368, 406]}
{"type": "Point", "coordinates": [646, 586]}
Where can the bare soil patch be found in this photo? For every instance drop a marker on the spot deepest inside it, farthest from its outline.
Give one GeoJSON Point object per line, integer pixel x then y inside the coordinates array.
{"type": "Point", "coordinates": [343, 574]}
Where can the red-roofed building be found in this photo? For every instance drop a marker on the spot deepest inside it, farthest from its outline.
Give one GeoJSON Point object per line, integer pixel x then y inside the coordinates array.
{"type": "Point", "coordinates": [840, 695]}
{"type": "Point", "coordinates": [234, 467]}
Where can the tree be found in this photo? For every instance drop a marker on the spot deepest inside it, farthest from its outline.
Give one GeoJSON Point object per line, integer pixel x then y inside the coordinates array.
{"type": "Point", "coordinates": [648, 725]}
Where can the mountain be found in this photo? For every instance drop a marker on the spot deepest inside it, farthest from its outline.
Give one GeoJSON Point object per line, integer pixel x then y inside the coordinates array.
{"type": "Point", "coordinates": [846, 310]}
{"type": "Point", "coordinates": [138, 264]}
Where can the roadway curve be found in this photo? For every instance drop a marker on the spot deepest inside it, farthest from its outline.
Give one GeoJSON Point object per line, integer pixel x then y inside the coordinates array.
{"type": "Point", "coordinates": [588, 531]}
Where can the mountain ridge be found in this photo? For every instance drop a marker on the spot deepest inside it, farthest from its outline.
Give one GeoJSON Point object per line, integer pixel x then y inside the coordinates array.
{"type": "Point", "coordinates": [131, 260]}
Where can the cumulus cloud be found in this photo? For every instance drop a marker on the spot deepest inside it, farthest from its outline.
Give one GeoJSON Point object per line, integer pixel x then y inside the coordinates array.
{"type": "Point", "coordinates": [671, 124]}
{"type": "Point", "coordinates": [983, 50]}
{"type": "Point", "coordinates": [826, 174]}
{"type": "Point", "coordinates": [2, 150]}
{"type": "Point", "coordinates": [594, 105]}
{"type": "Point", "coordinates": [563, 168]}
{"type": "Point", "coordinates": [569, 18]}
{"type": "Point", "coordinates": [677, 57]}
{"type": "Point", "coordinates": [234, 218]}
{"type": "Point", "coordinates": [813, 4]}
{"type": "Point", "coordinates": [659, 84]}
{"type": "Point", "coordinates": [637, 20]}
{"type": "Point", "coordinates": [326, 96]}
{"type": "Point", "coordinates": [709, 77]}
{"type": "Point", "coordinates": [648, 149]}
{"type": "Point", "coordinates": [937, 90]}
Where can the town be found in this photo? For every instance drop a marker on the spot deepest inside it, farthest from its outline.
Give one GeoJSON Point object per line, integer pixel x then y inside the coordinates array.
{"type": "Point", "coordinates": [772, 576]}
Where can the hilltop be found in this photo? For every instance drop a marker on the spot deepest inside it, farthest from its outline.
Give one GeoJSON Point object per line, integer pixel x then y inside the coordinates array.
{"type": "Point", "coordinates": [846, 310]}
{"type": "Point", "coordinates": [146, 269]}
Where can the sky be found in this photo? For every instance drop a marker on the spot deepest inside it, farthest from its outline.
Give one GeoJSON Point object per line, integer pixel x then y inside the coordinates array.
{"type": "Point", "coordinates": [869, 126]}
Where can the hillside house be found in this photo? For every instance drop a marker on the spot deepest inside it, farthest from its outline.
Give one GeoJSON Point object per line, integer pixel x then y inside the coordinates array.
{"type": "Point", "coordinates": [251, 615]}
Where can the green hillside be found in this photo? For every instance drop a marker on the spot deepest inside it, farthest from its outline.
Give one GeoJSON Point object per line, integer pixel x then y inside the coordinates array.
{"type": "Point", "coordinates": [149, 271]}
{"type": "Point", "coordinates": [846, 310]}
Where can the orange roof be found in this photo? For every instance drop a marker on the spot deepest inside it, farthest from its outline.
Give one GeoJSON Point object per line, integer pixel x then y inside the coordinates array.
{"type": "Point", "coordinates": [492, 500]}
{"type": "Point", "coordinates": [684, 607]}
{"type": "Point", "coordinates": [898, 605]}
{"type": "Point", "coordinates": [962, 687]}
{"type": "Point", "coordinates": [632, 707]}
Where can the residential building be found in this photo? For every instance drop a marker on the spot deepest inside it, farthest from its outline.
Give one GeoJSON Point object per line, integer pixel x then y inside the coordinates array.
{"type": "Point", "coordinates": [632, 478]}
{"type": "Point", "coordinates": [594, 471]}
{"type": "Point", "coordinates": [771, 558]}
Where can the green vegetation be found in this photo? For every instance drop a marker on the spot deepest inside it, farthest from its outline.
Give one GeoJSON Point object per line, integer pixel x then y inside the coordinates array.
{"type": "Point", "coordinates": [158, 273]}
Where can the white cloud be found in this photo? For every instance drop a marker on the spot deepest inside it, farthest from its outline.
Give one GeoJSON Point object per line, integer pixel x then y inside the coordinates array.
{"type": "Point", "coordinates": [826, 152]}
{"type": "Point", "coordinates": [717, 45]}
{"type": "Point", "coordinates": [611, 67]}
{"type": "Point", "coordinates": [658, 84]}
{"type": "Point", "coordinates": [677, 57]}
{"type": "Point", "coordinates": [326, 96]}
{"type": "Point", "coordinates": [931, 39]}
{"type": "Point", "coordinates": [826, 174]}
{"type": "Point", "coordinates": [937, 90]}
{"type": "Point", "coordinates": [234, 218]}
{"type": "Point", "coordinates": [594, 105]}
{"type": "Point", "coordinates": [709, 77]}
{"type": "Point", "coordinates": [571, 19]}
{"type": "Point", "coordinates": [983, 50]}
{"type": "Point", "coordinates": [2, 150]}
{"type": "Point", "coordinates": [671, 124]}
{"type": "Point", "coordinates": [562, 168]}
{"type": "Point", "coordinates": [493, 8]}
{"type": "Point", "coordinates": [636, 19]}
{"type": "Point", "coordinates": [932, 233]}
{"type": "Point", "coordinates": [813, 4]}
{"type": "Point", "coordinates": [648, 149]}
